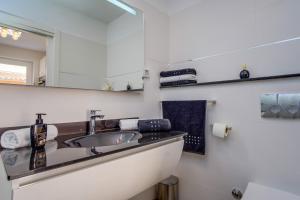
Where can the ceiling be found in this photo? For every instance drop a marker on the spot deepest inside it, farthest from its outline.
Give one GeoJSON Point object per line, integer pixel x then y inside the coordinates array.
{"type": "Point", "coordinates": [171, 7]}
{"type": "Point", "coordinates": [26, 41]}
{"type": "Point", "coordinates": [97, 9]}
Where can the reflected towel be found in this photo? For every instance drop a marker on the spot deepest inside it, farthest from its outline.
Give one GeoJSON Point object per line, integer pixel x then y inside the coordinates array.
{"type": "Point", "coordinates": [190, 77]}
{"type": "Point", "coordinates": [178, 72]}
{"type": "Point", "coordinates": [13, 139]}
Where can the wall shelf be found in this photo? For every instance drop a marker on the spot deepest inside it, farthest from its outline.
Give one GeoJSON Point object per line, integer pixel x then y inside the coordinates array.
{"type": "Point", "coordinates": [236, 80]}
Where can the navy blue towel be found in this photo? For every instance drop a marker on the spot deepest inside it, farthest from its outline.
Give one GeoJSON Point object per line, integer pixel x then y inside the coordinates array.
{"type": "Point", "coordinates": [178, 72]}
{"type": "Point", "coordinates": [188, 116]}
{"type": "Point", "coordinates": [177, 83]}
{"type": "Point", "coordinates": [154, 125]}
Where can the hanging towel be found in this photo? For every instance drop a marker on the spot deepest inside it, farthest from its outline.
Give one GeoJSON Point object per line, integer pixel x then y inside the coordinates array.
{"type": "Point", "coordinates": [188, 116]}
{"type": "Point", "coordinates": [182, 82]}
{"type": "Point", "coordinates": [178, 72]}
{"type": "Point", "coordinates": [178, 78]}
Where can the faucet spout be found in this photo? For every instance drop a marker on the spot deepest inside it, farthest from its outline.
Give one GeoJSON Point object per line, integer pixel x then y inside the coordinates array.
{"type": "Point", "coordinates": [92, 122]}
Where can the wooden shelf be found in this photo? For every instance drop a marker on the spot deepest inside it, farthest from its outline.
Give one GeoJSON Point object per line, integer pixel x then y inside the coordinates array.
{"type": "Point", "coordinates": [264, 78]}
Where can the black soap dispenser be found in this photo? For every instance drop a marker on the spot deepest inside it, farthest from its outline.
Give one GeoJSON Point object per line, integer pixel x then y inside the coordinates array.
{"type": "Point", "coordinates": [38, 133]}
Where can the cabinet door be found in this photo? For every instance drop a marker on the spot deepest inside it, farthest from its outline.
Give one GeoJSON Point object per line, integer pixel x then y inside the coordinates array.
{"type": "Point", "coordinates": [118, 179]}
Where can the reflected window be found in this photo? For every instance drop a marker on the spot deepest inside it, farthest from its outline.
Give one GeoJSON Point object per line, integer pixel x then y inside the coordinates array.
{"type": "Point", "coordinates": [13, 74]}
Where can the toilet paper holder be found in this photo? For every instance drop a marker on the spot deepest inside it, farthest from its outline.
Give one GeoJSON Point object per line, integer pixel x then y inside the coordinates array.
{"type": "Point", "coordinates": [222, 130]}
{"type": "Point", "coordinates": [227, 128]}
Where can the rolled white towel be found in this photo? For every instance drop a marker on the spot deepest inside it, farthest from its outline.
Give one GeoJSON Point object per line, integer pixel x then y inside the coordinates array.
{"type": "Point", "coordinates": [128, 124]}
{"type": "Point", "coordinates": [190, 77]}
{"type": "Point", "coordinates": [13, 139]}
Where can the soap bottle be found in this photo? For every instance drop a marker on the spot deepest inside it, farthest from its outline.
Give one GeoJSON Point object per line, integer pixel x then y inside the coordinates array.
{"type": "Point", "coordinates": [244, 74]}
{"type": "Point", "coordinates": [38, 133]}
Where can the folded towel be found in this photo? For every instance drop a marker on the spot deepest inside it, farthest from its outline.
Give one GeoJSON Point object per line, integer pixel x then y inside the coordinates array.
{"type": "Point", "coordinates": [22, 156]}
{"type": "Point", "coordinates": [13, 139]}
{"type": "Point", "coordinates": [178, 72]}
{"type": "Point", "coordinates": [154, 125]}
{"type": "Point", "coordinates": [175, 83]}
{"type": "Point", "coordinates": [188, 116]}
{"type": "Point", "coordinates": [128, 124]}
{"type": "Point", "coordinates": [178, 78]}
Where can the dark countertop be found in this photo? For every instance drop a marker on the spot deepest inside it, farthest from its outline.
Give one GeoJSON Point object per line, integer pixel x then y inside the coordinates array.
{"type": "Point", "coordinates": [24, 162]}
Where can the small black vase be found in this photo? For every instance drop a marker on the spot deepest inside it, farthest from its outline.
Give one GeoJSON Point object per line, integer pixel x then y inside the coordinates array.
{"type": "Point", "coordinates": [244, 74]}
{"type": "Point", "coordinates": [128, 87]}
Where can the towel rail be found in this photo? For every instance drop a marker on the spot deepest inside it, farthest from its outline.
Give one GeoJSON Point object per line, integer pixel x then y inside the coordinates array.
{"type": "Point", "coordinates": [212, 102]}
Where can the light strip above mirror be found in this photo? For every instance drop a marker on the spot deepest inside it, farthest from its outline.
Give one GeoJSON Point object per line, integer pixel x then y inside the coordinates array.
{"type": "Point", "coordinates": [123, 6]}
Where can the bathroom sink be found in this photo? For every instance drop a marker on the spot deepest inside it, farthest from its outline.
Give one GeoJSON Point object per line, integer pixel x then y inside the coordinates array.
{"type": "Point", "coordinates": [110, 139]}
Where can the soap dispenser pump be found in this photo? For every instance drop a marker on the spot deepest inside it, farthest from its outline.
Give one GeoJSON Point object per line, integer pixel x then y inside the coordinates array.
{"type": "Point", "coordinates": [38, 133]}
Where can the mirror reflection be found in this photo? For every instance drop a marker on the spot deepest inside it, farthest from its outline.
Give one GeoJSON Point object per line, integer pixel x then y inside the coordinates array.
{"type": "Point", "coordinates": [94, 44]}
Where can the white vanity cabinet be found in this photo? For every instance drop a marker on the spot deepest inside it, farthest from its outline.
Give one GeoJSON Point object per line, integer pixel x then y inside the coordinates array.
{"type": "Point", "coordinates": [118, 176]}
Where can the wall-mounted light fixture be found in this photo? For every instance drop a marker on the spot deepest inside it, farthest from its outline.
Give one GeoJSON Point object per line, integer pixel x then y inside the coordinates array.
{"type": "Point", "coordinates": [123, 6]}
{"type": "Point", "coordinates": [5, 32]}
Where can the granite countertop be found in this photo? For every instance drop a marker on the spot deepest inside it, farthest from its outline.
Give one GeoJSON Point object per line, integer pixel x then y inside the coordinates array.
{"type": "Point", "coordinates": [24, 162]}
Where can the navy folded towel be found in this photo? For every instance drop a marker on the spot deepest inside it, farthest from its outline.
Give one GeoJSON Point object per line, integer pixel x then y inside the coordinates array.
{"type": "Point", "coordinates": [181, 82]}
{"type": "Point", "coordinates": [178, 72]}
{"type": "Point", "coordinates": [154, 125]}
{"type": "Point", "coordinates": [188, 116]}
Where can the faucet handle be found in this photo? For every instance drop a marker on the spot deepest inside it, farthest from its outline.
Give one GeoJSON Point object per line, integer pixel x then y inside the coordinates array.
{"type": "Point", "coordinates": [94, 112]}
{"type": "Point", "coordinates": [98, 116]}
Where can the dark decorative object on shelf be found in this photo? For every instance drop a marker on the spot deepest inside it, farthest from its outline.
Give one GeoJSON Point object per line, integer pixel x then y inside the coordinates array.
{"type": "Point", "coordinates": [245, 74]}
{"type": "Point", "coordinates": [129, 87]}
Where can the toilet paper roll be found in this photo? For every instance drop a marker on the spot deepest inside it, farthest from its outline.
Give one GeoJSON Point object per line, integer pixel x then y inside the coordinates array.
{"type": "Point", "coordinates": [220, 130]}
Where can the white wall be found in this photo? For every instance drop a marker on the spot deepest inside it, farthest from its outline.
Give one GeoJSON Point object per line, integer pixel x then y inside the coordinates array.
{"type": "Point", "coordinates": [259, 150]}
{"type": "Point", "coordinates": [82, 63]}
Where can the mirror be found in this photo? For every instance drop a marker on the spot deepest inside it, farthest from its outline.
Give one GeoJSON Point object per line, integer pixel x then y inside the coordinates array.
{"type": "Point", "coordinates": [84, 44]}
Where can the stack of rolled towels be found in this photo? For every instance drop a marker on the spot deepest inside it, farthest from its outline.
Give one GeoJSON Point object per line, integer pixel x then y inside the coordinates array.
{"type": "Point", "coordinates": [178, 77]}
{"type": "Point", "coordinates": [145, 126]}
{"type": "Point", "coordinates": [13, 139]}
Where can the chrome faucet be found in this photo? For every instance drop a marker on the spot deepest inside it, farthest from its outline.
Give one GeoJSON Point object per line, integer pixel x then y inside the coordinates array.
{"type": "Point", "coordinates": [92, 124]}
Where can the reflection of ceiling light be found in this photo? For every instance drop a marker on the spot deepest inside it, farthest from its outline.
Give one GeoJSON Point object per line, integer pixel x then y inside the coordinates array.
{"type": "Point", "coordinates": [4, 32]}
{"type": "Point", "coordinates": [123, 6]}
